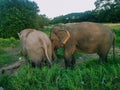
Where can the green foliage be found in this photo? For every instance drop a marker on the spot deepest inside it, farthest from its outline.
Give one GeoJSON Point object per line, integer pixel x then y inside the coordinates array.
{"type": "Point", "coordinates": [4, 80]}
{"type": "Point", "coordinates": [106, 4]}
{"type": "Point", "coordinates": [2, 50]}
{"type": "Point", "coordinates": [16, 15]}
{"type": "Point", "coordinates": [41, 21]}
{"type": "Point", "coordinates": [5, 46]}
{"type": "Point", "coordinates": [6, 59]}
{"type": "Point", "coordinates": [47, 31]}
{"type": "Point", "coordinates": [75, 17]}
{"type": "Point", "coordinates": [86, 76]}
{"type": "Point", "coordinates": [8, 42]}
{"type": "Point", "coordinates": [105, 11]}
{"type": "Point", "coordinates": [117, 32]}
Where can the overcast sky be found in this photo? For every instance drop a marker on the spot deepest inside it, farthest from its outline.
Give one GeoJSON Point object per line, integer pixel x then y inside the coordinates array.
{"type": "Point", "coordinates": [53, 8]}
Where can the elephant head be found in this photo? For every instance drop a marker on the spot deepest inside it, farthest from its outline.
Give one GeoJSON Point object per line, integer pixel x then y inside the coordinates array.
{"type": "Point", "coordinates": [59, 37]}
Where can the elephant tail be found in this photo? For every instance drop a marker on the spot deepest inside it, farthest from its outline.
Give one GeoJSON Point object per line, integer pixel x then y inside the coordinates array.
{"type": "Point", "coordinates": [114, 44]}
{"type": "Point", "coordinates": [46, 52]}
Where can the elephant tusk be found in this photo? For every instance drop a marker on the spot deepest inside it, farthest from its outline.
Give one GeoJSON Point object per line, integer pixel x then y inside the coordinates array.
{"type": "Point", "coordinates": [68, 36]}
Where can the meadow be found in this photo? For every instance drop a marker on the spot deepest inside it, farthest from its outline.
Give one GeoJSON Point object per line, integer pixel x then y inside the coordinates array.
{"type": "Point", "coordinates": [88, 74]}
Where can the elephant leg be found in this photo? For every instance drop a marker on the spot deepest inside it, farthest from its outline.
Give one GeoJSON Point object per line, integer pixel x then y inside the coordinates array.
{"type": "Point", "coordinates": [55, 58]}
{"type": "Point", "coordinates": [36, 64]}
{"type": "Point", "coordinates": [47, 63]}
{"type": "Point", "coordinates": [26, 60]}
{"type": "Point", "coordinates": [33, 64]}
{"type": "Point", "coordinates": [103, 53]}
{"type": "Point", "coordinates": [73, 61]}
{"type": "Point", "coordinates": [67, 61]}
{"type": "Point", "coordinates": [102, 57]}
{"type": "Point", "coordinates": [39, 65]}
{"type": "Point", "coordinates": [69, 57]}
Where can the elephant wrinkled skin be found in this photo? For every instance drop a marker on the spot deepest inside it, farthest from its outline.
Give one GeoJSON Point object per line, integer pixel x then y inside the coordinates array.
{"type": "Point", "coordinates": [86, 37]}
{"type": "Point", "coordinates": [36, 45]}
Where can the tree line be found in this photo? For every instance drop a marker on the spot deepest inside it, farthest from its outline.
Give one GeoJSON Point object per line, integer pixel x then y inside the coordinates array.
{"type": "Point", "coordinates": [16, 15]}
{"type": "Point", "coordinates": [105, 11]}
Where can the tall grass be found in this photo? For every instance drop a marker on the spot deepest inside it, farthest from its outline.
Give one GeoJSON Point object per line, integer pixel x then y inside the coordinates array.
{"type": "Point", "coordinates": [117, 32]}
{"type": "Point", "coordinates": [86, 76]}
{"type": "Point", "coordinates": [6, 46]}
{"type": "Point", "coordinates": [8, 42]}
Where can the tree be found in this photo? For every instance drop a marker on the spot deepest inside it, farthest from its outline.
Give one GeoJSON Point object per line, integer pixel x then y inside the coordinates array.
{"type": "Point", "coordinates": [105, 11]}
{"type": "Point", "coordinates": [108, 9]}
{"type": "Point", "coordinates": [106, 4]}
{"type": "Point", "coordinates": [75, 17]}
{"type": "Point", "coordinates": [16, 15]}
{"type": "Point", "coordinates": [41, 20]}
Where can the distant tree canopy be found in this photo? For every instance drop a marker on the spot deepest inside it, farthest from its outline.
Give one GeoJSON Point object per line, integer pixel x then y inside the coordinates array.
{"type": "Point", "coordinates": [16, 15]}
{"type": "Point", "coordinates": [105, 11]}
{"type": "Point", "coordinates": [106, 4]}
{"type": "Point", "coordinates": [75, 17]}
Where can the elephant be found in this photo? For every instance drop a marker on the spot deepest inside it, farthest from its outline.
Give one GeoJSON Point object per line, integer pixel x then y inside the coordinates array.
{"type": "Point", "coordinates": [86, 37]}
{"type": "Point", "coordinates": [37, 46]}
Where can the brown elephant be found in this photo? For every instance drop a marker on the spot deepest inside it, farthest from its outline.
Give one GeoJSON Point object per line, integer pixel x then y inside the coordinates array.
{"type": "Point", "coordinates": [86, 37]}
{"type": "Point", "coordinates": [36, 45]}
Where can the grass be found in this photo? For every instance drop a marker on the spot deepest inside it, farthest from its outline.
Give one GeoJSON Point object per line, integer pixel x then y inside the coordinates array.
{"type": "Point", "coordinates": [7, 56]}
{"type": "Point", "coordinates": [116, 29]}
{"type": "Point", "coordinates": [47, 31]}
{"type": "Point", "coordinates": [117, 32]}
{"type": "Point", "coordinates": [10, 42]}
{"type": "Point", "coordinates": [85, 76]}
{"type": "Point", "coordinates": [88, 75]}
{"type": "Point", "coordinates": [6, 59]}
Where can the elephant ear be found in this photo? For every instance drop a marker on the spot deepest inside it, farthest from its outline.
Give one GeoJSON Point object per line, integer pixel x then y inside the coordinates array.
{"type": "Point", "coordinates": [63, 36]}
{"type": "Point", "coordinates": [18, 35]}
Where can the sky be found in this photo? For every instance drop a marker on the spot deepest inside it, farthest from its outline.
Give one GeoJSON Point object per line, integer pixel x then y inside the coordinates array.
{"type": "Point", "coordinates": [54, 8]}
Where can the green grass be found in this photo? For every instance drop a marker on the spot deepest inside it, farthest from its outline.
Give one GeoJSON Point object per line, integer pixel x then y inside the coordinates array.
{"type": "Point", "coordinates": [10, 42]}
{"type": "Point", "coordinates": [7, 58]}
{"type": "Point", "coordinates": [6, 54]}
{"type": "Point", "coordinates": [117, 32]}
{"type": "Point", "coordinates": [88, 75]}
{"type": "Point", "coordinates": [47, 31]}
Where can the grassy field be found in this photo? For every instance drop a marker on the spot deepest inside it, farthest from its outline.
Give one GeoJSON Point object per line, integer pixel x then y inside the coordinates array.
{"type": "Point", "coordinates": [8, 48]}
{"type": "Point", "coordinates": [87, 75]}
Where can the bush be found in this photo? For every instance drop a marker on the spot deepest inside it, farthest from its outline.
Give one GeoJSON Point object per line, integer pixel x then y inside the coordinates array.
{"type": "Point", "coordinates": [117, 32]}
{"type": "Point", "coordinates": [8, 42]}
{"type": "Point", "coordinates": [17, 15]}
